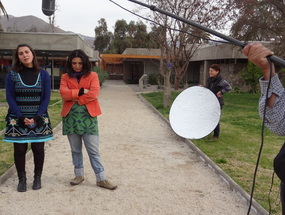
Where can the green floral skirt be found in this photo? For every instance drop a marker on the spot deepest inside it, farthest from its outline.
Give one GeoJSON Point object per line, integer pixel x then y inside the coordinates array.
{"type": "Point", "coordinates": [78, 121]}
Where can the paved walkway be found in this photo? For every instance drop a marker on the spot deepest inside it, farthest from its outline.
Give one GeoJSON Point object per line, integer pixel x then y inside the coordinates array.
{"type": "Point", "coordinates": [157, 173]}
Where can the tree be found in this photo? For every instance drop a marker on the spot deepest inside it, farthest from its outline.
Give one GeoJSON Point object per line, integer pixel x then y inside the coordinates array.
{"type": "Point", "coordinates": [52, 22]}
{"type": "Point", "coordinates": [132, 35]}
{"type": "Point", "coordinates": [141, 36]}
{"type": "Point", "coordinates": [102, 36]}
{"type": "Point", "coordinates": [121, 40]}
{"type": "Point", "coordinates": [165, 64]}
{"type": "Point", "coordinates": [186, 39]}
{"type": "Point", "coordinates": [52, 19]}
{"type": "Point", "coordinates": [2, 8]}
{"type": "Point", "coordinates": [261, 20]}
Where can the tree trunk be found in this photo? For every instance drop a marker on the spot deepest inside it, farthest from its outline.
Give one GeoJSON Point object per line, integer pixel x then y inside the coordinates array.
{"type": "Point", "coordinates": [177, 81]}
{"type": "Point", "coordinates": [166, 90]}
{"type": "Point", "coordinates": [1, 27]}
{"type": "Point", "coordinates": [180, 71]}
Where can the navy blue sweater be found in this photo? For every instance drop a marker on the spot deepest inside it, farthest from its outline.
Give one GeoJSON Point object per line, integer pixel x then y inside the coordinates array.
{"type": "Point", "coordinates": [45, 96]}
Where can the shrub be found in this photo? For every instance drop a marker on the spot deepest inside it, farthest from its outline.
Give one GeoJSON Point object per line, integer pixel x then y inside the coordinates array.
{"type": "Point", "coordinates": [103, 75]}
{"type": "Point", "coordinates": [251, 75]}
{"type": "Point", "coordinates": [155, 79]}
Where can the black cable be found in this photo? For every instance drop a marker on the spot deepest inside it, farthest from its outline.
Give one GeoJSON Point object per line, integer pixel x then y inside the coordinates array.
{"type": "Point", "coordinates": [269, 194]}
{"type": "Point", "coordinates": [262, 137]}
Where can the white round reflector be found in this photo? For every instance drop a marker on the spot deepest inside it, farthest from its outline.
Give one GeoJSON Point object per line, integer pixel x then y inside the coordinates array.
{"type": "Point", "coordinates": [195, 113]}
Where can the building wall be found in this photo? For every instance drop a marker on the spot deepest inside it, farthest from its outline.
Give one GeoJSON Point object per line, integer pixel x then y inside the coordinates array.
{"type": "Point", "coordinates": [230, 59]}
{"type": "Point", "coordinates": [46, 42]}
{"type": "Point", "coordinates": [151, 66]}
{"type": "Point", "coordinates": [115, 71]}
{"type": "Point", "coordinates": [230, 71]}
{"type": "Point", "coordinates": [228, 56]}
{"type": "Point", "coordinates": [192, 75]}
{"type": "Point", "coordinates": [133, 71]}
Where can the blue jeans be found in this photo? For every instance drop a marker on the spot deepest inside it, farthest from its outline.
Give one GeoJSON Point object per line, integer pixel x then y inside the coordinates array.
{"type": "Point", "coordinates": [91, 143]}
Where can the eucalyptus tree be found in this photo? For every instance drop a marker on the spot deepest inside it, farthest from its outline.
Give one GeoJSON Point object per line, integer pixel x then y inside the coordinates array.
{"type": "Point", "coordinates": [103, 37]}
{"type": "Point", "coordinates": [140, 36]}
{"type": "Point", "coordinates": [121, 39]}
{"type": "Point", "coordinates": [132, 35]}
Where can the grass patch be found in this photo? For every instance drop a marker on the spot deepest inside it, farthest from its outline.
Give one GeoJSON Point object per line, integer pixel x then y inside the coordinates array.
{"type": "Point", "coordinates": [236, 150]}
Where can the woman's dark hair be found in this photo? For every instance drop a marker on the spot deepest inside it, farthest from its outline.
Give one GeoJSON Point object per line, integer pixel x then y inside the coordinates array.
{"type": "Point", "coordinates": [86, 64]}
{"type": "Point", "coordinates": [216, 67]}
{"type": "Point", "coordinates": [17, 66]}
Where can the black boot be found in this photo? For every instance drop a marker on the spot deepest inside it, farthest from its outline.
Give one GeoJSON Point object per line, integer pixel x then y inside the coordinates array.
{"type": "Point", "coordinates": [37, 184]}
{"type": "Point", "coordinates": [22, 186]}
{"type": "Point", "coordinates": [282, 197]}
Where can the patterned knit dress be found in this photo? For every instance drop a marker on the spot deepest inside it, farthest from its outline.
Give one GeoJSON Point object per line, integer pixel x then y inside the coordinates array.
{"type": "Point", "coordinates": [28, 99]}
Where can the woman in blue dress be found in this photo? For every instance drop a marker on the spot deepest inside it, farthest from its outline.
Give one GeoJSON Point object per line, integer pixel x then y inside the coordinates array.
{"type": "Point", "coordinates": [28, 95]}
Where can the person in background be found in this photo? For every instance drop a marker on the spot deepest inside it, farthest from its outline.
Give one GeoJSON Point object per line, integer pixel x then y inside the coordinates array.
{"type": "Point", "coordinates": [28, 94]}
{"type": "Point", "coordinates": [79, 88]}
{"type": "Point", "coordinates": [274, 104]}
{"type": "Point", "coordinates": [219, 86]}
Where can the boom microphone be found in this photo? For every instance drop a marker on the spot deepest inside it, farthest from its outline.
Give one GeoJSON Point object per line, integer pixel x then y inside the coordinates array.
{"type": "Point", "coordinates": [234, 41]}
{"type": "Point", "coordinates": [48, 7]}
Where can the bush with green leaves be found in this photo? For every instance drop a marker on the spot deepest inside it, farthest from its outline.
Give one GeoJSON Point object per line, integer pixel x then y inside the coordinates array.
{"type": "Point", "coordinates": [155, 79]}
{"type": "Point", "coordinates": [103, 75]}
{"type": "Point", "coordinates": [251, 75]}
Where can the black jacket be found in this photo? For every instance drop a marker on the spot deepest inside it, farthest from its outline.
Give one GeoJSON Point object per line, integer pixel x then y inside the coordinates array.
{"type": "Point", "coordinates": [216, 84]}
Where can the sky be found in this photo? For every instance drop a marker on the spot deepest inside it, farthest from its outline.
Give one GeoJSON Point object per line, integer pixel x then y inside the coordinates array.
{"type": "Point", "coordinates": [78, 16]}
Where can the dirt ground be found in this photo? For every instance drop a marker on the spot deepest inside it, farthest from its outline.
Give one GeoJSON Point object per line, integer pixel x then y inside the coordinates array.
{"type": "Point", "coordinates": [156, 172]}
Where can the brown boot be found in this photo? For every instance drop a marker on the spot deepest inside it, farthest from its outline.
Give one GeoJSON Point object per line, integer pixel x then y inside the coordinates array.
{"type": "Point", "coordinates": [77, 180]}
{"type": "Point", "coordinates": [106, 184]}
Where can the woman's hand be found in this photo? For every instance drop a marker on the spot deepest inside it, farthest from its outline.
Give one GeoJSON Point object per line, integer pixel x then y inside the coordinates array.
{"type": "Point", "coordinates": [219, 94]}
{"type": "Point", "coordinates": [29, 121]}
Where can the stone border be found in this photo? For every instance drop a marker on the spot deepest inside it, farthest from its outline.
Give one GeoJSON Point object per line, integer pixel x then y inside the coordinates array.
{"type": "Point", "coordinates": [255, 207]}
{"type": "Point", "coordinates": [29, 154]}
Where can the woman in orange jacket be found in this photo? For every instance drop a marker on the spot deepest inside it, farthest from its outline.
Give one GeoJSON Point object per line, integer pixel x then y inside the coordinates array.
{"type": "Point", "coordinates": [80, 88]}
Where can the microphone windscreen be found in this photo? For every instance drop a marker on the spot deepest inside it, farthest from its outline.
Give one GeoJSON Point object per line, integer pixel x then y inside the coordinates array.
{"type": "Point", "coordinates": [48, 7]}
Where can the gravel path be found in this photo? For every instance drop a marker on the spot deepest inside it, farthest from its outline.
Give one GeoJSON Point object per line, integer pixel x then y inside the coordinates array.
{"type": "Point", "coordinates": [156, 171]}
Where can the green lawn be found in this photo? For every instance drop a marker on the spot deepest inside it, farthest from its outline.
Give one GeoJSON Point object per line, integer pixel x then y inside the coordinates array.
{"type": "Point", "coordinates": [237, 149]}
